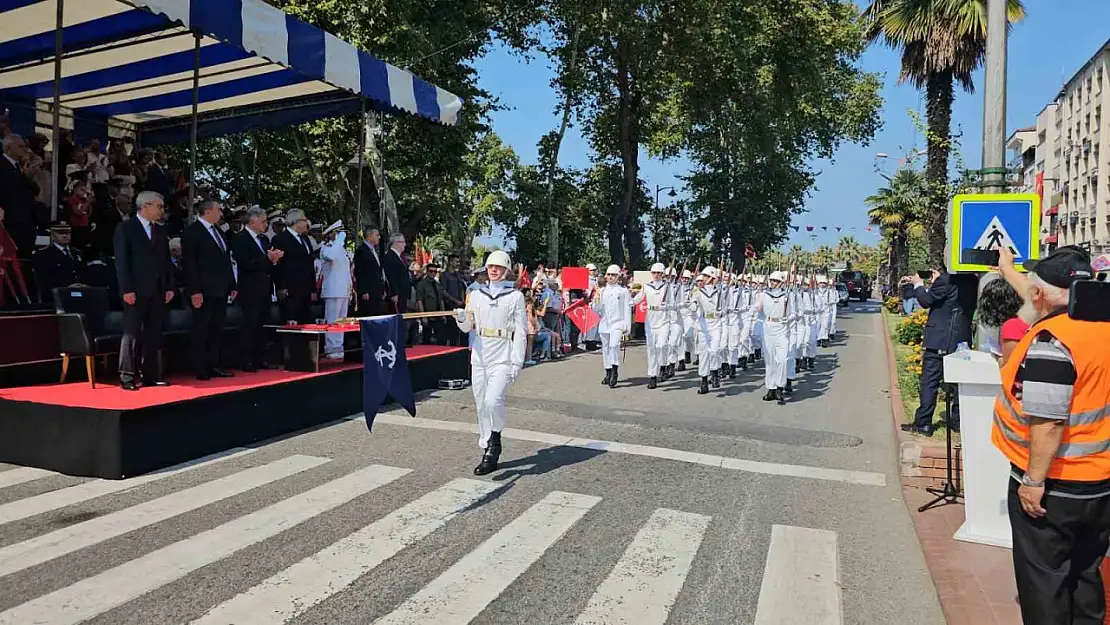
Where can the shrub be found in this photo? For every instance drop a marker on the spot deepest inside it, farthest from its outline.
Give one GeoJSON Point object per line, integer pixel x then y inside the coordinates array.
{"type": "Point", "coordinates": [911, 329]}
{"type": "Point", "coordinates": [893, 305]}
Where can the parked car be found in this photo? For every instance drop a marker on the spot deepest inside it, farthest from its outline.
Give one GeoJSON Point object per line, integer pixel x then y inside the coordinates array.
{"type": "Point", "coordinates": [842, 291]}
{"type": "Point", "coordinates": [858, 283]}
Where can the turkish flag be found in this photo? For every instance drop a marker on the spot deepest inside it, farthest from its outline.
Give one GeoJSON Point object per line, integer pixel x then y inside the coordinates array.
{"type": "Point", "coordinates": [640, 313]}
{"type": "Point", "coordinates": [576, 279]}
{"type": "Point", "coordinates": [582, 315]}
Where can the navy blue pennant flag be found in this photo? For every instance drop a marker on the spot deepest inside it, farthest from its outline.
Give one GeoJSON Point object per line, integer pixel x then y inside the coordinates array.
{"type": "Point", "coordinates": [384, 366]}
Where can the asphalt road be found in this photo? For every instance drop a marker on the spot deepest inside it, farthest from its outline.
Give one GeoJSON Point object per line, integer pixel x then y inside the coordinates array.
{"type": "Point", "coordinates": [612, 506]}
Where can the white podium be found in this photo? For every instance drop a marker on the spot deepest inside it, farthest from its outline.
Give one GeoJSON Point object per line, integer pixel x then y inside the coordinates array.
{"type": "Point", "coordinates": [986, 470]}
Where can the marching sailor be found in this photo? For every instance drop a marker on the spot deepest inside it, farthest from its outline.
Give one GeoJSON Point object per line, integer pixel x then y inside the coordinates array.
{"type": "Point", "coordinates": [794, 321]}
{"type": "Point", "coordinates": [832, 299]}
{"type": "Point", "coordinates": [772, 306]}
{"type": "Point", "coordinates": [655, 323]}
{"type": "Point", "coordinates": [615, 309]}
{"type": "Point", "coordinates": [735, 322]}
{"type": "Point", "coordinates": [675, 333]}
{"type": "Point", "coordinates": [495, 316]}
{"type": "Point", "coordinates": [689, 318]}
{"type": "Point", "coordinates": [704, 302]}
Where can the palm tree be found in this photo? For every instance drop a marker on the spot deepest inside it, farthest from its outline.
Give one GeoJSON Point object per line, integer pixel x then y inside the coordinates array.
{"type": "Point", "coordinates": [849, 249]}
{"type": "Point", "coordinates": [896, 209]}
{"type": "Point", "coordinates": [942, 42]}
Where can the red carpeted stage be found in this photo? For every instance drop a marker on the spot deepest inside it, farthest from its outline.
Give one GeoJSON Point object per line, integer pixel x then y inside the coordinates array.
{"type": "Point", "coordinates": [111, 433]}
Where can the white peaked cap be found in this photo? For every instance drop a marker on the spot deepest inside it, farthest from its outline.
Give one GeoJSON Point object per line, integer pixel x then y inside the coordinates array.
{"type": "Point", "coordinates": [779, 276]}
{"type": "Point", "coordinates": [701, 276]}
{"type": "Point", "coordinates": [822, 280]}
{"type": "Point", "coordinates": [671, 271]}
{"type": "Point", "coordinates": [686, 273]}
{"type": "Point", "coordinates": [591, 266]}
{"type": "Point", "coordinates": [338, 225]}
{"type": "Point", "coordinates": [710, 271]}
{"type": "Point", "coordinates": [613, 270]}
{"type": "Point", "coordinates": [658, 268]}
{"type": "Point", "coordinates": [499, 258]}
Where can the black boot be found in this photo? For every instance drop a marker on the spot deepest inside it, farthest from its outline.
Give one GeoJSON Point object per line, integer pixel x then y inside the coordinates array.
{"type": "Point", "coordinates": [613, 379]}
{"type": "Point", "coordinates": [731, 372]}
{"type": "Point", "coordinates": [802, 364]}
{"type": "Point", "coordinates": [771, 395]}
{"type": "Point", "coordinates": [789, 390]}
{"type": "Point", "coordinates": [759, 354]}
{"type": "Point", "coordinates": [653, 382]}
{"type": "Point", "coordinates": [670, 371]}
{"type": "Point", "coordinates": [704, 388]}
{"type": "Point", "coordinates": [715, 379]}
{"type": "Point", "coordinates": [489, 458]}
{"type": "Point", "coordinates": [687, 359]}
{"type": "Point", "coordinates": [682, 364]}
{"type": "Point", "coordinates": [744, 363]}
{"type": "Point", "coordinates": [780, 396]}
{"type": "Point", "coordinates": [812, 363]}
{"type": "Point", "coordinates": [608, 376]}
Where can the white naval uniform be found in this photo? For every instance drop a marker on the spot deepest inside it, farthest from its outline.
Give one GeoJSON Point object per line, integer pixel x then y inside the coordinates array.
{"type": "Point", "coordinates": [676, 333]}
{"type": "Point", "coordinates": [772, 307]}
{"type": "Point", "coordinates": [735, 320]}
{"type": "Point", "coordinates": [708, 339]}
{"type": "Point", "coordinates": [615, 309]}
{"type": "Point", "coordinates": [498, 327]}
{"type": "Point", "coordinates": [656, 327]}
{"type": "Point", "coordinates": [793, 314]}
{"type": "Point", "coordinates": [335, 289]}
{"type": "Point", "coordinates": [812, 306]}
{"type": "Point", "coordinates": [833, 300]}
{"type": "Point", "coordinates": [690, 322]}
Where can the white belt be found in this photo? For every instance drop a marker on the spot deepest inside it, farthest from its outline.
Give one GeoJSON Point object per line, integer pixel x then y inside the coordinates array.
{"type": "Point", "coordinates": [710, 315]}
{"type": "Point", "coordinates": [494, 333]}
{"type": "Point", "coordinates": [656, 308]}
{"type": "Point", "coordinates": [774, 319]}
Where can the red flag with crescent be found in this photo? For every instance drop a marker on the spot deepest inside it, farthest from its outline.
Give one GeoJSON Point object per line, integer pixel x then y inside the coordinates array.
{"type": "Point", "coordinates": [749, 251]}
{"type": "Point", "coordinates": [640, 312]}
{"type": "Point", "coordinates": [581, 315]}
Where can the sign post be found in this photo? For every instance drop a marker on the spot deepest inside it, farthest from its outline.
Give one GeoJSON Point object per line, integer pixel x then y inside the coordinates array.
{"type": "Point", "coordinates": [980, 223]}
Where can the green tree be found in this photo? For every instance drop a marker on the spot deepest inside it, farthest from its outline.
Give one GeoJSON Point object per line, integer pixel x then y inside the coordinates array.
{"type": "Point", "coordinates": [942, 43]}
{"type": "Point", "coordinates": [896, 210]}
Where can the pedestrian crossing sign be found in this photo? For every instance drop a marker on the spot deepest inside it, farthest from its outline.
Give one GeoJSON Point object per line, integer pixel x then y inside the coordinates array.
{"type": "Point", "coordinates": [984, 222]}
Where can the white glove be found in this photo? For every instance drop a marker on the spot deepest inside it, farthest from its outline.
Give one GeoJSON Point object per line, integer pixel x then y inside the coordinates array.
{"type": "Point", "coordinates": [460, 315]}
{"type": "Point", "coordinates": [341, 238]}
{"type": "Point", "coordinates": [514, 373]}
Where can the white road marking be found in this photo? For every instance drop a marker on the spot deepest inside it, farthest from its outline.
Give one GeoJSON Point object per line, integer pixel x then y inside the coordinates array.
{"type": "Point", "coordinates": [23, 474]}
{"type": "Point", "coordinates": [96, 595]}
{"type": "Point", "coordinates": [28, 553]}
{"type": "Point", "coordinates": [801, 581]}
{"type": "Point", "coordinates": [644, 585]}
{"type": "Point", "coordinates": [465, 589]}
{"type": "Point", "coordinates": [293, 591]}
{"type": "Point", "coordinates": [865, 478]}
{"type": "Point", "coordinates": [628, 413]}
{"type": "Point", "coordinates": [61, 498]}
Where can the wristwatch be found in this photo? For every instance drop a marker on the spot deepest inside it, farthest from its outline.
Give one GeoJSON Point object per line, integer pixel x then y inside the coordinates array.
{"type": "Point", "coordinates": [1027, 481]}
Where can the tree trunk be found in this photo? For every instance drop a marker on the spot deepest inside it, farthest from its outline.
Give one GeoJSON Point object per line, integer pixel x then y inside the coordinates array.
{"type": "Point", "coordinates": [899, 258]}
{"type": "Point", "coordinates": [568, 101]}
{"type": "Point", "coordinates": [618, 221]}
{"type": "Point", "coordinates": [939, 93]}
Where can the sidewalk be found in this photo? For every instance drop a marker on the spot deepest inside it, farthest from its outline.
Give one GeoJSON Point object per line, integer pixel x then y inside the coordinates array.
{"type": "Point", "coordinates": [975, 583]}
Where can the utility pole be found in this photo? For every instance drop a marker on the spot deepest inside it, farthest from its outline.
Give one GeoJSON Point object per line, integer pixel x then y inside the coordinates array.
{"type": "Point", "coordinates": [994, 100]}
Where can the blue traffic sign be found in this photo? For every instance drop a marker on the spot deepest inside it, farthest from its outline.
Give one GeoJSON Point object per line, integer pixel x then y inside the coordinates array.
{"type": "Point", "coordinates": [981, 223]}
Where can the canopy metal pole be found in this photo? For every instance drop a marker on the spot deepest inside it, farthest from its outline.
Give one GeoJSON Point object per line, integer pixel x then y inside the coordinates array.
{"type": "Point", "coordinates": [361, 162]}
{"type": "Point", "coordinates": [381, 189]}
{"type": "Point", "coordinates": [193, 130]}
{"type": "Point", "coordinates": [56, 124]}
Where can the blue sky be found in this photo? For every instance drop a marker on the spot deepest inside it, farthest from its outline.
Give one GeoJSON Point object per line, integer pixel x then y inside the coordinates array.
{"type": "Point", "coordinates": [1055, 40]}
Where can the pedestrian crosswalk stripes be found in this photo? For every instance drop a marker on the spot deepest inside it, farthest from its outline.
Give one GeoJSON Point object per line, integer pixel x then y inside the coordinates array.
{"type": "Point", "coordinates": [647, 579]}
{"type": "Point", "coordinates": [22, 555]}
{"type": "Point", "coordinates": [642, 587]}
{"type": "Point", "coordinates": [21, 475]}
{"type": "Point", "coordinates": [98, 594]}
{"type": "Point", "coordinates": [801, 581]}
{"type": "Point", "coordinates": [24, 508]}
{"type": "Point", "coordinates": [317, 577]}
{"type": "Point", "coordinates": [465, 589]}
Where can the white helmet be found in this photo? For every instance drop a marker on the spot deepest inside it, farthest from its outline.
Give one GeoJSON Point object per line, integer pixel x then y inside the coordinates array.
{"type": "Point", "coordinates": [686, 273]}
{"type": "Point", "coordinates": [591, 266]}
{"type": "Point", "coordinates": [658, 268]}
{"type": "Point", "coordinates": [778, 276]}
{"type": "Point", "coordinates": [822, 280]}
{"type": "Point", "coordinates": [499, 258]}
{"type": "Point", "coordinates": [613, 270]}
{"type": "Point", "coordinates": [710, 271]}
{"type": "Point", "coordinates": [671, 271]}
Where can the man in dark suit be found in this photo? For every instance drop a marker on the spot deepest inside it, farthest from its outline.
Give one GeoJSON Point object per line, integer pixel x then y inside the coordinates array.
{"type": "Point", "coordinates": [17, 196]}
{"type": "Point", "coordinates": [949, 324]}
{"type": "Point", "coordinates": [58, 264]}
{"type": "Point", "coordinates": [159, 178]}
{"type": "Point", "coordinates": [206, 264]}
{"type": "Point", "coordinates": [145, 277]}
{"type": "Point", "coordinates": [295, 278]}
{"type": "Point", "coordinates": [370, 284]}
{"type": "Point", "coordinates": [397, 273]}
{"type": "Point", "coordinates": [255, 260]}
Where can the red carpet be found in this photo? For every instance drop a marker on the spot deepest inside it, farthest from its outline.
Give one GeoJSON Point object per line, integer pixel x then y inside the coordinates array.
{"type": "Point", "coordinates": [109, 396]}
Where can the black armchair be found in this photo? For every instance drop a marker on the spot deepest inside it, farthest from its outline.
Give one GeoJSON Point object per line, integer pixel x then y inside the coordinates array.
{"type": "Point", "coordinates": [87, 326]}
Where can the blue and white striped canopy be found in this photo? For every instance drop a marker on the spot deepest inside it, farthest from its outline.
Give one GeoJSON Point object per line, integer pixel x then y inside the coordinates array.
{"type": "Point", "coordinates": [128, 69]}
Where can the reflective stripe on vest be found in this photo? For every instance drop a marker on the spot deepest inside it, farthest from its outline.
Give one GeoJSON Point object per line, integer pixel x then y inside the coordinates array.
{"type": "Point", "coordinates": [1084, 452]}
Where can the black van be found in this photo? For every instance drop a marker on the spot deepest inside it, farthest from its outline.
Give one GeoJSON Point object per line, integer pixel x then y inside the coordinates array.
{"type": "Point", "coordinates": [859, 284]}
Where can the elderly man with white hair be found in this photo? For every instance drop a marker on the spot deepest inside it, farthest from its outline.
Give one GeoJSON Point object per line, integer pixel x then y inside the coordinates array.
{"type": "Point", "coordinates": [496, 318]}
{"type": "Point", "coordinates": [295, 273]}
{"type": "Point", "coordinates": [614, 306]}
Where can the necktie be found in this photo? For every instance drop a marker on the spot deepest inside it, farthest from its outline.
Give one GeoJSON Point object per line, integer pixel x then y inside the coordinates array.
{"type": "Point", "coordinates": [307, 247]}
{"type": "Point", "coordinates": [219, 238]}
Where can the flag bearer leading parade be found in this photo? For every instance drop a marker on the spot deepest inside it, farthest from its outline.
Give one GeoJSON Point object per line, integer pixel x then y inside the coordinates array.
{"type": "Point", "coordinates": [615, 310]}
{"type": "Point", "coordinates": [656, 327]}
{"type": "Point", "coordinates": [496, 318]}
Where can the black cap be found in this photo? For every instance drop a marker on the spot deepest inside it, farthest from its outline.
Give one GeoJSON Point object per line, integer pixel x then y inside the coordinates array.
{"type": "Point", "coordinates": [58, 225]}
{"type": "Point", "coordinates": [80, 174]}
{"type": "Point", "coordinates": [1062, 267]}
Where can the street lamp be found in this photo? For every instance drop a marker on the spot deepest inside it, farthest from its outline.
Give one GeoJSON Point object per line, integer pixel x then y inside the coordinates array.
{"type": "Point", "coordinates": [655, 225]}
